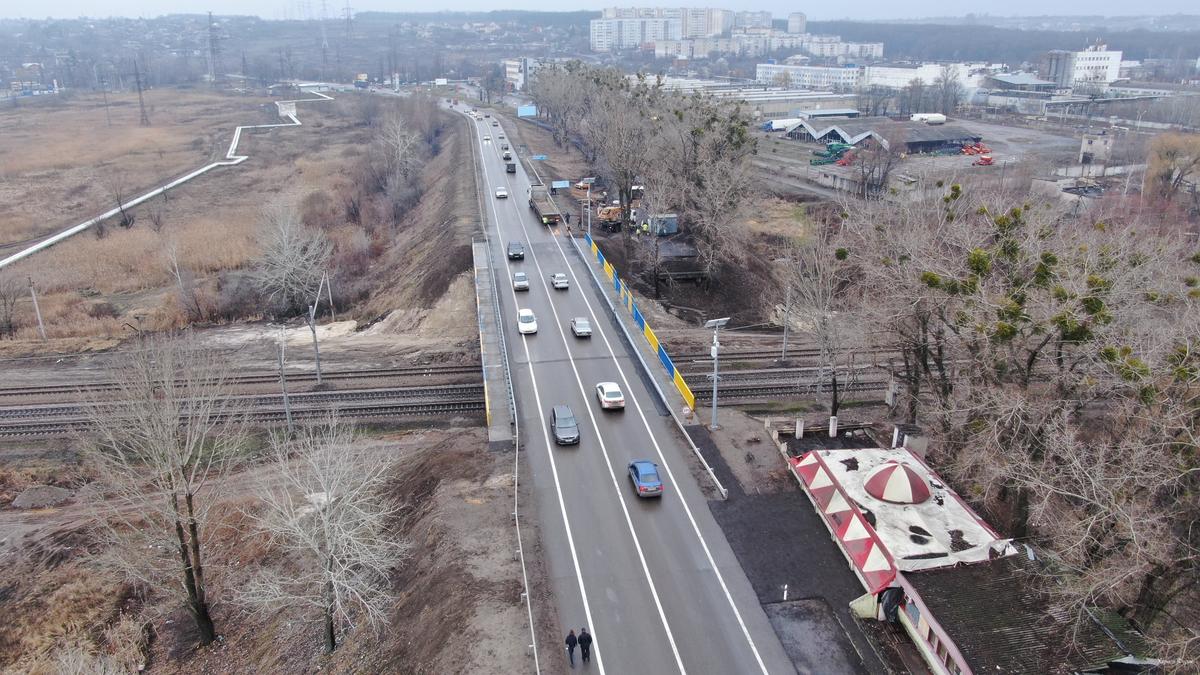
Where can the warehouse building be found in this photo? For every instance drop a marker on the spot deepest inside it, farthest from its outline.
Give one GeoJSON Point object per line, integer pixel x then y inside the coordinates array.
{"type": "Point", "coordinates": [916, 137]}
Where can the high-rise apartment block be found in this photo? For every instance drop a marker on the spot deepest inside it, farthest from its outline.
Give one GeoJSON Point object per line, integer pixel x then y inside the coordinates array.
{"type": "Point", "coordinates": [797, 23]}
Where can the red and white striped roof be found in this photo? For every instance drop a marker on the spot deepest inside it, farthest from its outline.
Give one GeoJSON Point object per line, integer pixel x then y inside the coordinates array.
{"type": "Point", "coordinates": [898, 483]}
{"type": "Point", "coordinates": [889, 513]}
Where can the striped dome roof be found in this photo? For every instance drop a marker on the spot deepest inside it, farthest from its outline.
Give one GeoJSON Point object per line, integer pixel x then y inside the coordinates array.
{"type": "Point", "coordinates": [897, 483]}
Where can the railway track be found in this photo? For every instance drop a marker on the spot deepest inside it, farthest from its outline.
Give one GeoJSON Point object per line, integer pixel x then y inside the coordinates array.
{"type": "Point", "coordinates": [736, 392]}
{"type": "Point", "coordinates": [254, 378]}
{"type": "Point", "coordinates": [400, 409]}
{"type": "Point", "coordinates": [64, 419]}
{"type": "Point", "coordinates": [772, 354]}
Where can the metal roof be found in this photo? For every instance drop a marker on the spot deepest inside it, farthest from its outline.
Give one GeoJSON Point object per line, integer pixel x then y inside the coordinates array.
{"type": "Point", "coordinates": [1020, 79]}
{"type": "Point", "coordinates": [885, 131]}
{"type": "Point", "coordinates": [827, 112]}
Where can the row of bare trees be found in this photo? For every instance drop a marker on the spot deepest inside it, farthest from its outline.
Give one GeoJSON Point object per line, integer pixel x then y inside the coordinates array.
{"type": "Point", "coordinates": [1054, 360]}
{"type": "Point", "coordinates": [690, 152]}
{"type": "Point", "coordinates": [164, 448]}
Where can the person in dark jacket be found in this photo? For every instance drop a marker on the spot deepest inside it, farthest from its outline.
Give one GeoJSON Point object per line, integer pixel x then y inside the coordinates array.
{"type": "Point", "coordinates": [585, 645]}
{"type": "Point", "coordinates": [571, 642]}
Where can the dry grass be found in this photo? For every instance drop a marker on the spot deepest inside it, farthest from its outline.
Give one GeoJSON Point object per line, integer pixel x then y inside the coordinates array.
{"type": "Point", "coordinates": [62, 159]}
{"type": "Point", "coordinates": [779, 218]}
{"type": "Point", "coordinates": [99, 286]}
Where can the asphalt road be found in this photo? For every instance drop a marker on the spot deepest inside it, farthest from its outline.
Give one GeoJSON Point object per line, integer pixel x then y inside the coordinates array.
{"type": "Point", "coordinates": [655, 581]}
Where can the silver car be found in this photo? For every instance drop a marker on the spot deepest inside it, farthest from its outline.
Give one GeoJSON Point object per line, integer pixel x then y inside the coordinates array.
{"type": "Point", "coordinates": [520, 281]}
{"type": "Point", "coordinates": [560, 281]}
{"type": "Point", "coordinates": [581, 327]}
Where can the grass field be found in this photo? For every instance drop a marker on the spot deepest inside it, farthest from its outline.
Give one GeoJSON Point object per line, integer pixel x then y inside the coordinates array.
{"type": "Point", "coordinates": [64, 161]}
{"type": "Point", "coordinates": [93, 286]}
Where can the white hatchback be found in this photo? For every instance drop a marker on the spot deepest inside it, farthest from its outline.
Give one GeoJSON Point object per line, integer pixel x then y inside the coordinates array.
{"type": "Point", "coordinates": [501, 193]}
{"type": "Point", "coordinates": [526, 322]}
{"type": "Point", "coordinates": [559, 280]}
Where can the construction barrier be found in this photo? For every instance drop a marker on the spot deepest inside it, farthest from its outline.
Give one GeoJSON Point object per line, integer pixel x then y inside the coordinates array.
{"type": "Point", "coordinates": [627, 301]}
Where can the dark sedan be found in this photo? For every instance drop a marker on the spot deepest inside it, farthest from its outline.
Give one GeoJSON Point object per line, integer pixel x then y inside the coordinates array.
{"type": "Point", "coordinates": [562, 422]}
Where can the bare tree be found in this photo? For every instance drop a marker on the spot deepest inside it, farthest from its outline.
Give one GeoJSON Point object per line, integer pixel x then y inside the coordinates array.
{"type": "Point", "coordinates": [1173, 165]}
{"type": "Point", "coordinates": [185, 284]}
{"type": "Point", "coordinates": [873, 100]}
{"type": "Point", "coordinates": [157, 215]}
{"type": "Point", "coordinates": [620, 126]}
{"type": "Point", "coordinates": [403, 146]}
{"type": "Point", "coordinates": [947, 90]}
{"type": "Point", "coordinates": [718, 203]}
{"type": "Point", "coordinates": [11, 292]}
{"type": "Point", "coordinates": [874, 162]}
{"type": "Point", "coordinates": [816, 277]}
{"type": "Point", "coordinates": [294, 256]}
{"type": "Point", "coordinates": [325, 504]}
{"type": "Point", "coordinates": [160, 443]}
{"type": "Point", "coordinates": [115, 182]}
{"type": "Point", "coordinates": [913, 97]}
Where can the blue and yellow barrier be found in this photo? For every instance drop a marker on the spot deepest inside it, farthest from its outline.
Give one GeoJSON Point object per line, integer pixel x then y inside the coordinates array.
{"type": "Point", "coordinates": [626, 296]}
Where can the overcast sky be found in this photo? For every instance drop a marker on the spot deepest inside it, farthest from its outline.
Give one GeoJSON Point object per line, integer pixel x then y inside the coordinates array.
{"type": "Point", "coordinates": [863, 9]}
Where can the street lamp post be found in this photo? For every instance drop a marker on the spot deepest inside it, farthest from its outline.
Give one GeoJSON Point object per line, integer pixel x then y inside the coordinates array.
{"type": "Point", "coordinates": [715, 324]}
{"type": "Point", "coordinates": [588, 206]}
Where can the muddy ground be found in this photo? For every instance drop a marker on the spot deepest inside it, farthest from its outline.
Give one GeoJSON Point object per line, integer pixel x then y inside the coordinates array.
{"type": "Point", "coordinates": [463, 578]}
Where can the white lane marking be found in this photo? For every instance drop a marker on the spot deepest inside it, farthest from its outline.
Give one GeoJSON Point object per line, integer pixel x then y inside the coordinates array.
{"type": "Point", "coordinates": [662, 614]}
{"type": "Point", "coordinates": [562, 506]}
{"type": "Point", "coordinates": [670, 474]}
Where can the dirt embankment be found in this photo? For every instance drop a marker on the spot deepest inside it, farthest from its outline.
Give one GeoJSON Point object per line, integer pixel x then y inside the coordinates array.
{"type": "Point", "coordinates": [430, 254]}
{"type": "Point", "coordinates": [458, 609]}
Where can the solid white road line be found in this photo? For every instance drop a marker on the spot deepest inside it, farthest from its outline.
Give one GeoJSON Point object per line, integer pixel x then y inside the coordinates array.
{"type": "Point", "coordinates": [562, 506]}
{"type": "Point", "coordinates": [662, 615]}
{"type": "Point", "coordinates": [670, 474]}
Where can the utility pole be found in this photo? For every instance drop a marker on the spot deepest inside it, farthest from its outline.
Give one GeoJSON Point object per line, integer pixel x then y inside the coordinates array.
{"type": "Point", "coordinates": [715, 324]}
{"type": "Point", "coordinates": [37, 310]}
{"type": "Point", "coordinates": [589, 210]}
{"type": "Point", "coordinates": [287, 406]}
{"type": "Point", "coordinates": [787, 320]}
{"type": "Point", "coordinates": [104, 92]}
{"type": "Point", "coordinates": [212, 51]}
{"type": "Point", "coordinates": [312, 325]}
{"type": "Point", "coordinates": [137, 76]}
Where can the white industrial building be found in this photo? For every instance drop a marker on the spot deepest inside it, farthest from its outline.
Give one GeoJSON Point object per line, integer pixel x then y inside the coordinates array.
{"type": "Point", "coordinates": [852, 77]}
{"type": "Point", "coordinates": [808, 77]}
{"type": "Point", "coordinates": [1095, 66]}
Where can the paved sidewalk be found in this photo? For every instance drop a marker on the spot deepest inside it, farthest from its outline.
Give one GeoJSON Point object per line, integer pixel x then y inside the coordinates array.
{"type": "Point", "coordinates": [491, 348]}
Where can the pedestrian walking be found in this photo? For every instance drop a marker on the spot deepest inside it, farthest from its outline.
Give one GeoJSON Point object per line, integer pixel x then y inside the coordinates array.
{"type": "Point", "coordinates": [585, 645]}
{"type": "Point", "coordinates": [571, 642]}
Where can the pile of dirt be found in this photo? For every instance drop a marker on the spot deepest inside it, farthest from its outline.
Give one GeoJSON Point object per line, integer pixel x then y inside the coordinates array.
{"type": "Point", "coordinates": [40, 497]}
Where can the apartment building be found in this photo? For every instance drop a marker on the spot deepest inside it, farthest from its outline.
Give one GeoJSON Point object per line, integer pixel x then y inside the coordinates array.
{"type": "Point", "coordinates": [797, 23]}
{"type": "Point", "coordinates": [632, 27]}
{"type": "Point", "coordinates": [612, 34]}
{"type": "Point", "coordinates": [752, 20]}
